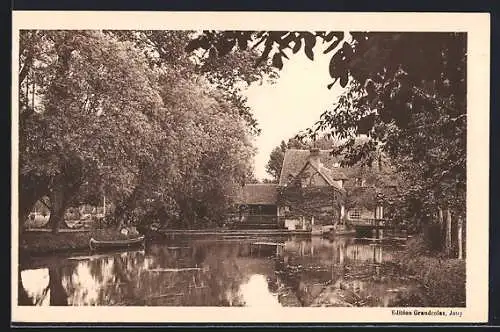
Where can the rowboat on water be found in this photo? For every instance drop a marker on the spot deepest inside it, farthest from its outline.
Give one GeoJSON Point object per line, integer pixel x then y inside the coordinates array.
{"type": "Point", "coordinates": [116, 244]}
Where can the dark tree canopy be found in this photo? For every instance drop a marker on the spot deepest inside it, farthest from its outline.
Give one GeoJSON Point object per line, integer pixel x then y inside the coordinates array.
{"type": "Point", "coordinates": [164, 135]}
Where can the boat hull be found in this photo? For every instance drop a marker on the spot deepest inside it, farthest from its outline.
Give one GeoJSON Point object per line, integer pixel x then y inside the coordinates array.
{"type": "Point", "coordinates": [118, 244]}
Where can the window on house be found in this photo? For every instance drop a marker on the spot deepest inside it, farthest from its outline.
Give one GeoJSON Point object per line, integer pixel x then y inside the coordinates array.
{"type": "Point", "coordinates": [355, 214]}
{"type": "Point", "coordinates": [360, 182]}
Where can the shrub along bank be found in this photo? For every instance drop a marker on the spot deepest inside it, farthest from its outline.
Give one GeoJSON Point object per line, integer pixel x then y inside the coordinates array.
{"type": "Point", "coordinates": [442, 278]}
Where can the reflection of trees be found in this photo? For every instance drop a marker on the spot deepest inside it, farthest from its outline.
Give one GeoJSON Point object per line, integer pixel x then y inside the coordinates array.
{"type": "Point", "coordinates": [22, 296]}
{"type": "Point", "coordinates": [224, 267]}
{"type": "Point", "coordinates": [339, 267]}
{"type": "Point", "coordinates": [126, 279]}
{"type": "Point", "coordinates": [120, 287]}
{"type": "Point", "coordinates": [225, 276]}
{"type": "Point", "coordinates": [54, 290]}
{"type": "Point", "coordinates": [305, 268]}
{"type": "Point", "coordinates": [124, 275]}
{"type": "Point", "coordinates": [96, 269]}
{"type": "Point", "coordinates": [58, 295]}
{"type": "Point", "coordinates": [216, 284]}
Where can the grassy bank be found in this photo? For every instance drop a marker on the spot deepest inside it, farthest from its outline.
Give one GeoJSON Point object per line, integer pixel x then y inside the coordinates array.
{"type": "Point", "coordinates": [35, 243]}
{"type": "Point", "coordinates": [39, 243]}
{"type": "Point", "coordinates": [443, 278]}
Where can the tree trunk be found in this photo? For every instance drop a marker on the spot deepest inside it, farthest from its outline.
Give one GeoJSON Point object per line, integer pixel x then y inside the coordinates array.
{"type": "Point", "coordinates": [459, 238]}
{"type": "Point", "coordinates": [448, 232]}
{"type": "Point", "coordinates": [126, 206]}
{"type": "Point", "coordinates": [31, 189]}
{"type": "Point", "coordinates": [186, 212]}
{"type": "Point", "coordinates": [58, 295]}
{"type": "Point", "coordinates": [61, 193]}
{"type": "Point", "coordinates": [57, 201]}
{"type": "Point", "coordinates": [442, 228]}
{"type": "Point", "coordinates": [22, 296]}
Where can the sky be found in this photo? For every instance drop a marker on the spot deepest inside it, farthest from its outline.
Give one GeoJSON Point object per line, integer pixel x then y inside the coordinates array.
{"type": "Point", "coordinates": [293, 103]}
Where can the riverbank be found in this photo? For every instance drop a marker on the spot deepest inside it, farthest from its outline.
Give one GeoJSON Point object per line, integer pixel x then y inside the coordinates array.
{"type": "Point", "coordinates": [234, 232]}
{"type": "Point", "coordinates": [43, 241]}
{"type": "Point", "coordinates": [443, 279]}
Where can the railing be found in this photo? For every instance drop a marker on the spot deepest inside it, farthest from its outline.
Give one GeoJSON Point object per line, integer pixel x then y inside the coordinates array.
{"type": "Point", "coordinates": [260, 218]}
{"type": "Point", "coordinates": [370, 222]}
{"type": "Point", "coordinates": [253, 218]}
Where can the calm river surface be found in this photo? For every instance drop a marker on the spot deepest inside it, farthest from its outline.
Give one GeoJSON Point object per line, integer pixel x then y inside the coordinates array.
{"type": "Point", "coordinates": [225, 272]}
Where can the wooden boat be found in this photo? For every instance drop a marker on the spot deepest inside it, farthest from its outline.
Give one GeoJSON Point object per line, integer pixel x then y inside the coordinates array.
{"type": "Point", "coordinates": [116, 244]}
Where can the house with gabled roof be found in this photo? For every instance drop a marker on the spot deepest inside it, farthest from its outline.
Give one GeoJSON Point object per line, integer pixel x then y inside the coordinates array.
{"type": "Point", "coordinates": [312, 190]}
{"type": "Point", "coordinates": [317, 182]}
{"type": "Point", "coordinates": [327, 167]}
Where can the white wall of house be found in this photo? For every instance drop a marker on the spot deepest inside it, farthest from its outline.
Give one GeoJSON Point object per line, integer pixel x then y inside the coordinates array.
{"type": "Point", "coordinates": [297, 224]}
{"type": "Point", "coordinates": [359, 213]}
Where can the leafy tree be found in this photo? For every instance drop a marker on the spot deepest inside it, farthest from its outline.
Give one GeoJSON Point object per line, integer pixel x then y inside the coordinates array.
{"type": "Point", "coordinates": [229, 75]}
{"type": "Point", "coordinates": [275, 162]}
{"type": "Point", "coordinates": [251, 178]}
{"type": "Point", "coordinates": [190, 121]}
{"type": "Point", "coordinates": [90, 94]}
{"type": "Point", "coordinates": [100, 115]}
{"type": "Point", "coordinates": [296, 143]}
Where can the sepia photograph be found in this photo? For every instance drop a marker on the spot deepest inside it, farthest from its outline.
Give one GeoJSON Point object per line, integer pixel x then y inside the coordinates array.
{"type": "Point", "coordinates": [243, 165]}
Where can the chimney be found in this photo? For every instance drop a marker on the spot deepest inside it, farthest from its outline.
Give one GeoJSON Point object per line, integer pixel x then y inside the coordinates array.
{"type": "Point", "coordinates": [314, 157]}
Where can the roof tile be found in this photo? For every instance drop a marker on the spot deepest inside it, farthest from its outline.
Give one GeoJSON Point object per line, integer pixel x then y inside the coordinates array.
{"type": "Point", "coordinates": [261, 193]}
{"type": "Point", "coordinates": [295, 160]}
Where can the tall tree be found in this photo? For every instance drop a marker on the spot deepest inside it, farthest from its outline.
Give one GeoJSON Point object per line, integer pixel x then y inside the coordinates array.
{"type": "Point", "coordinates": [190, 120]}
{"type": "Point", "coordinates": [128, 113]}
{"type": "Point", "coordinates": [91, 93]}
{"type": "Point", "coordinates": [275, 162]}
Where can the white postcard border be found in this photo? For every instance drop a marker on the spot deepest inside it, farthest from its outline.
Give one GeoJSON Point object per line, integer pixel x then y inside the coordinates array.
{"type": "Point", "coordinates": [477, 25]}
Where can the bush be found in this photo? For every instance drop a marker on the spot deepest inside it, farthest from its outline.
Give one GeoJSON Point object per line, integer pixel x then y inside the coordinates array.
{"type": "Point", "coordinates": [443, 279]}
{"type": "Point", "coordinates": [432, 237]}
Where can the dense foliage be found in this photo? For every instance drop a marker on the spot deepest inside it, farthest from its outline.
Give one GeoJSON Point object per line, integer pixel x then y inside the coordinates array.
{"type": "Point", "coordinates": [275, 163]}
{"type": "Point", "coordinates": [132, 116]}
{"type": "Point", "coordinates": [322, 203]}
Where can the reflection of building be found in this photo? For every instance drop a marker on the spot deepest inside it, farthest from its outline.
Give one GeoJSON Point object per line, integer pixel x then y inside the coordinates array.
{"type": "Point", "coordinates": [342, 272]}
{"type": "Point", "coordinates": [337, 252]}
{"type": "Point", "coordinates": [365, 253]}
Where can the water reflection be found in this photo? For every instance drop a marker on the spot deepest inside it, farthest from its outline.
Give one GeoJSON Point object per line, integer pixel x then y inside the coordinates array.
{"type": "Point", "coordinates": [247, 272]}
{"type": "Point", "coordinates": [255, 293]}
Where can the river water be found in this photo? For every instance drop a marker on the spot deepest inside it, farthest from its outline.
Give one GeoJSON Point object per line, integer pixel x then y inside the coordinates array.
{"type": "Point", "coordinates": [274, 271]}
